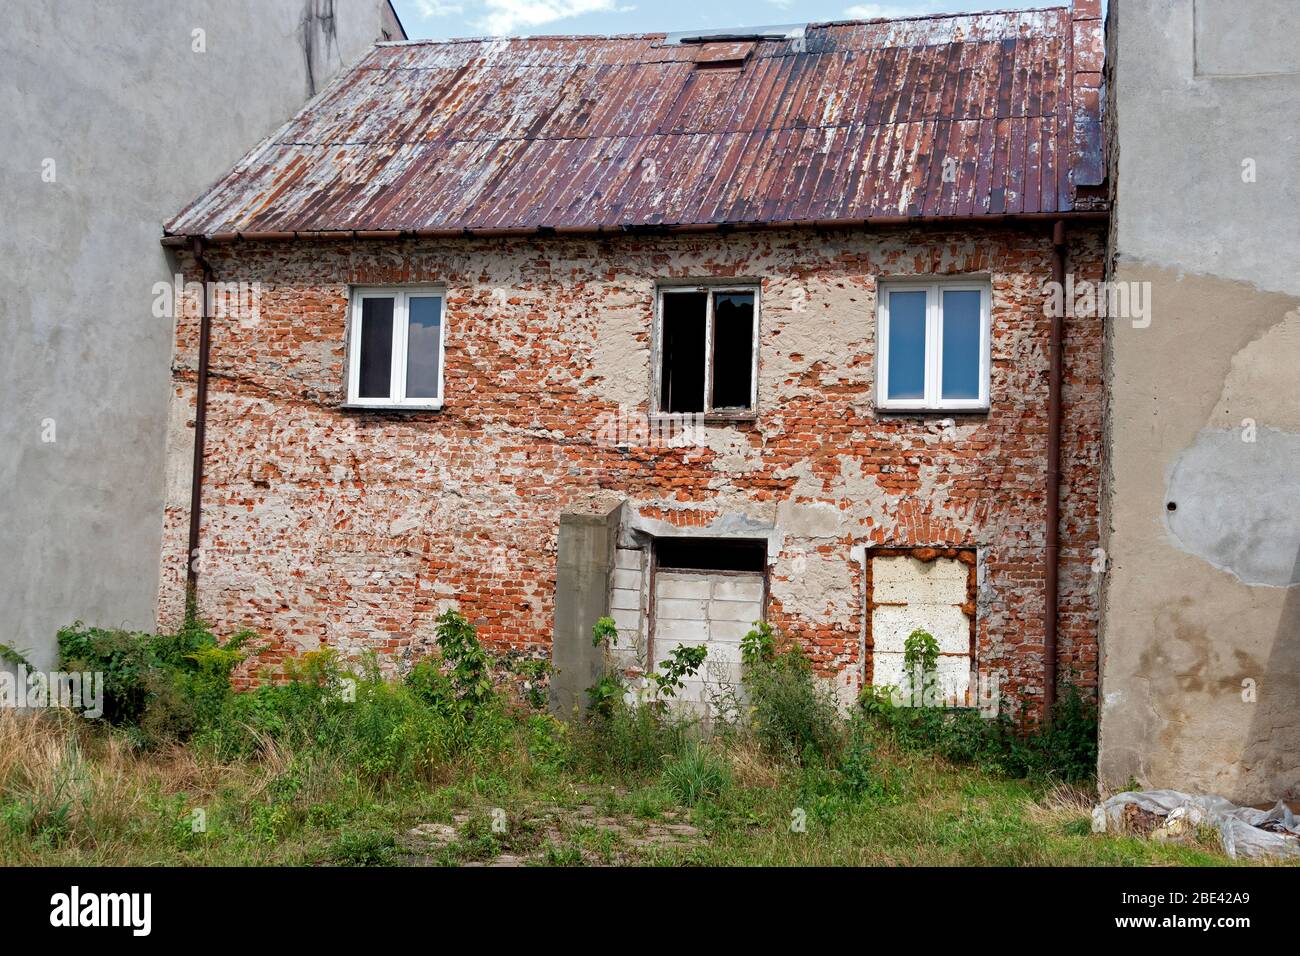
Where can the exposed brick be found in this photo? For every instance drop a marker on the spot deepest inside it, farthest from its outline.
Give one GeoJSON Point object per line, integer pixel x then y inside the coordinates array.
{"type": "Point", "coordinates": [354, 530]}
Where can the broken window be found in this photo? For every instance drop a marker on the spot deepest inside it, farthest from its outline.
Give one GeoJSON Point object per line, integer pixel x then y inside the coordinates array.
{"type": "Point", "coordinates": [708, 351]}
{"type": "Point", "coordinates": [395, 348]}
{"type": "Point", "coordinates": [923, 590]}
{"type": "Point", "coordinates": [933, 345]}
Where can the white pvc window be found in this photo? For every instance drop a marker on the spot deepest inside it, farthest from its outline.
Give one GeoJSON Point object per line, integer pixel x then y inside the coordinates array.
{"type": "Point", "coordinates": [933, 345]}
{"type": "Point", "coordinates": [395, 348]}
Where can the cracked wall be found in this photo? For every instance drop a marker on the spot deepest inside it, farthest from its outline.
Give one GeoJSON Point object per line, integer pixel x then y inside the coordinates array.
{"type": "Point", "coordinates": [329, 527]}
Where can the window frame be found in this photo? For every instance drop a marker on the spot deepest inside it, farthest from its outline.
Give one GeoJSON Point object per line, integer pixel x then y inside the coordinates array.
{"type": "Point", "coordinates": [401, 296]}
{"type": "Point", "coordinates": [933, 400]}
{"type": "Point", "coordinates": [727, 413]}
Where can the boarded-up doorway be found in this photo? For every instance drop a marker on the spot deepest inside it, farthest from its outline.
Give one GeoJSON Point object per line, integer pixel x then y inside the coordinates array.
{"type": "Point", "coordinates": [706, 593]}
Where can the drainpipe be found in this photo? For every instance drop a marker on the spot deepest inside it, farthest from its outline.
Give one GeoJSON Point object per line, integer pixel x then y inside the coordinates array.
{"type": "Point", "coordinates": [200, 433]}
{"type": "Point", "coordinates": [1051, 572]}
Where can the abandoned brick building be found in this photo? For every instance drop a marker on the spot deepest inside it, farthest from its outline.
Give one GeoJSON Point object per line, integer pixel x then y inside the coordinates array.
{"type": "Point", "coordinates": [686, 330]}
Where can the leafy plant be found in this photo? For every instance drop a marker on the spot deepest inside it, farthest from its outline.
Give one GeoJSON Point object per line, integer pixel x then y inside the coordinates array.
{"type": "Point", "coordinates": [608, 692]}
{"type": "Point", "coordinates": [758, 646]}
{"type": "Point", "coordinates": [682, 662]}
{"type": "Point", "coordinates": [471, 678]}
{"type": "Point", "coordinates": [860, 770]}
{"type": "Point", "coordinates": [791, 714]}
{"type": "Point", "coordinates": [920, 661]}
{"type": "Point", "coordinates": [604, 631]}
{"type": "Point", "coordinates": [604, 695]}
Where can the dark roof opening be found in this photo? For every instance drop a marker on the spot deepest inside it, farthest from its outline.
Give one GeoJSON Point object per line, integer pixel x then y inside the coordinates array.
{"type": "Point", "coordinates": [779, 31]}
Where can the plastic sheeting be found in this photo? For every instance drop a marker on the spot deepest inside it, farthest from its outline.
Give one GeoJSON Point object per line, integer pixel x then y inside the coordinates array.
{"type": "Point", "coordinates": [1243, 831]}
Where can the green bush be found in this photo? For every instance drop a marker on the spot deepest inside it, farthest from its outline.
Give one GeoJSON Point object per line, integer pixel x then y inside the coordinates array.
{"type": "Point", "coordinates": [631, 741]}
{"type": "Point", "coordinates": [177, 687]}
{"type": "Point", "coordinates": [1066, 751]}
{"type": "Point", "coordinates": [792, 715]}
{"type": "Point", "coordinates": [164, 685]}
{"type": "Point", "coordinates": [859, 769]}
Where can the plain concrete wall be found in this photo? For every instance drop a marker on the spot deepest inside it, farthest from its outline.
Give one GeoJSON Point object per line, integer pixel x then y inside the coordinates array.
{"type": "Point", "coordinates": [136, 124]}
{"type": "Point", "coordinates": [1201, 622]}
{"type": "Point", "coordinates": [583, 562]}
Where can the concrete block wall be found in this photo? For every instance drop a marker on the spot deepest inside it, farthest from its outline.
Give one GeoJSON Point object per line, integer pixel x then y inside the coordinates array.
{"type": "Point", "coordinates": [712, 610]}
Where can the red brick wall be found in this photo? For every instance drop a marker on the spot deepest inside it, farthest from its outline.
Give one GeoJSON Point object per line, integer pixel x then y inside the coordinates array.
{"type": "Point", "coordinates": [328, 527]}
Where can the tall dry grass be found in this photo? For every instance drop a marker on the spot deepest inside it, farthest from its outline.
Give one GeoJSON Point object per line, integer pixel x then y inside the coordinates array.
{"type": "Point", "coordinates": [64, 786]}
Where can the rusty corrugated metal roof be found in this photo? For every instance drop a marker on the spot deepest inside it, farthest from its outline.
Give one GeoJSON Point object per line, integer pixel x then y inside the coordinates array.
{"type": "Point", "coordinates": [928, 117]}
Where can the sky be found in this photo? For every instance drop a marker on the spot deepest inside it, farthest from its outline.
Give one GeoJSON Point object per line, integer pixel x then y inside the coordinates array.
{"type": "Point", "coordinates": [439, 19]}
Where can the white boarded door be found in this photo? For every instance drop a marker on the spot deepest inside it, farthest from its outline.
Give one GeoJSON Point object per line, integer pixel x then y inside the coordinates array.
{"type": "Point", "coordinates": [711, 608]}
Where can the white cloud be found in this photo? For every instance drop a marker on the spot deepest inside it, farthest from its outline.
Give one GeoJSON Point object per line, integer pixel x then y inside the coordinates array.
{"type": "Point", "coordinates": [872, 11]}
{"type": "Point", "coordinates": [428, 9]}
{"type": "Point", "coordinates": [513, 16]}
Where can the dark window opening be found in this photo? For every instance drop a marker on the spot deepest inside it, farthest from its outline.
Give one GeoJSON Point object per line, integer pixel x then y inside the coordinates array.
{"type": "Point", "coordinates": [684, 330]}
{"type": "Point", "coordinates": [733, 349]}
{"type": "Point", "coordinates": [707, 348]}
{"type": "Point", "coordinates": [710, 554]}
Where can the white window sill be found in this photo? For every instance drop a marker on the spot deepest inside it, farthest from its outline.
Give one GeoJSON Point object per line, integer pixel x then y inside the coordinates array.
{"type": "Point", "coordinates": [392, 407]}
{"type": "Point", "coordinates": [932, 410]}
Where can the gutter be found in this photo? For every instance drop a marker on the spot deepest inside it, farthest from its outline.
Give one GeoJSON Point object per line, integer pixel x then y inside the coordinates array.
{"type": "Point", "coordinates": [1051, 571]}
{"type": "Point", "coordinates": [193, 553]}
{"type": "Point", "coordinates": [535, 231]}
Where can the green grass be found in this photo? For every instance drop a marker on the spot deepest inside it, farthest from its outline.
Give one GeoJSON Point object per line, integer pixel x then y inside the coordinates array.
{"type": "Point", "coordinates": [121, 806]}
{"type": "Point", "coordinates": [448, 767]}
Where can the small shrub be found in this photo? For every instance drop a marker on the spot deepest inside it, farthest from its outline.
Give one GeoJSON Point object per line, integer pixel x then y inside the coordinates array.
{"type": "Point", "coordinates": [631, 741]}
{"type": "Point", "coordinates": [920, 661]}
{"type": "Point", "coordinates": [168, 686]}
{"type": "Point", "coordinates": [792, 715]}
{"type": "Point", "coordinates": [682, 662]}
{"type": "Point", "coordinates": [859, 769]}
{"type": "Point", "coordinates": [604, 631]}
{"type": "Point", "coordinates": [460, 680]}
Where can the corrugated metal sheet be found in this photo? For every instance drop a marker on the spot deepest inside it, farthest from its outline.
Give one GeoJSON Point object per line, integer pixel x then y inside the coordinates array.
{"type": "Point", "coordinates": [983, 114]}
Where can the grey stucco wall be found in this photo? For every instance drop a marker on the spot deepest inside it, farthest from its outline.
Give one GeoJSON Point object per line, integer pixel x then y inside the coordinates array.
{"type": "Point", "coordinates": [133, 122]}
{"type": "Point", "coordinates": [584, 561]}
{"type": "Point", "coordinates": [1201, 622]}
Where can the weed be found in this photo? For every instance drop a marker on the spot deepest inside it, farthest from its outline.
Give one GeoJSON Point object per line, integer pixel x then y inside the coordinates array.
{"type": "Point", "coordinates": [697, 774]}
{"type": "Point", "coordinates": [363, 847]}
